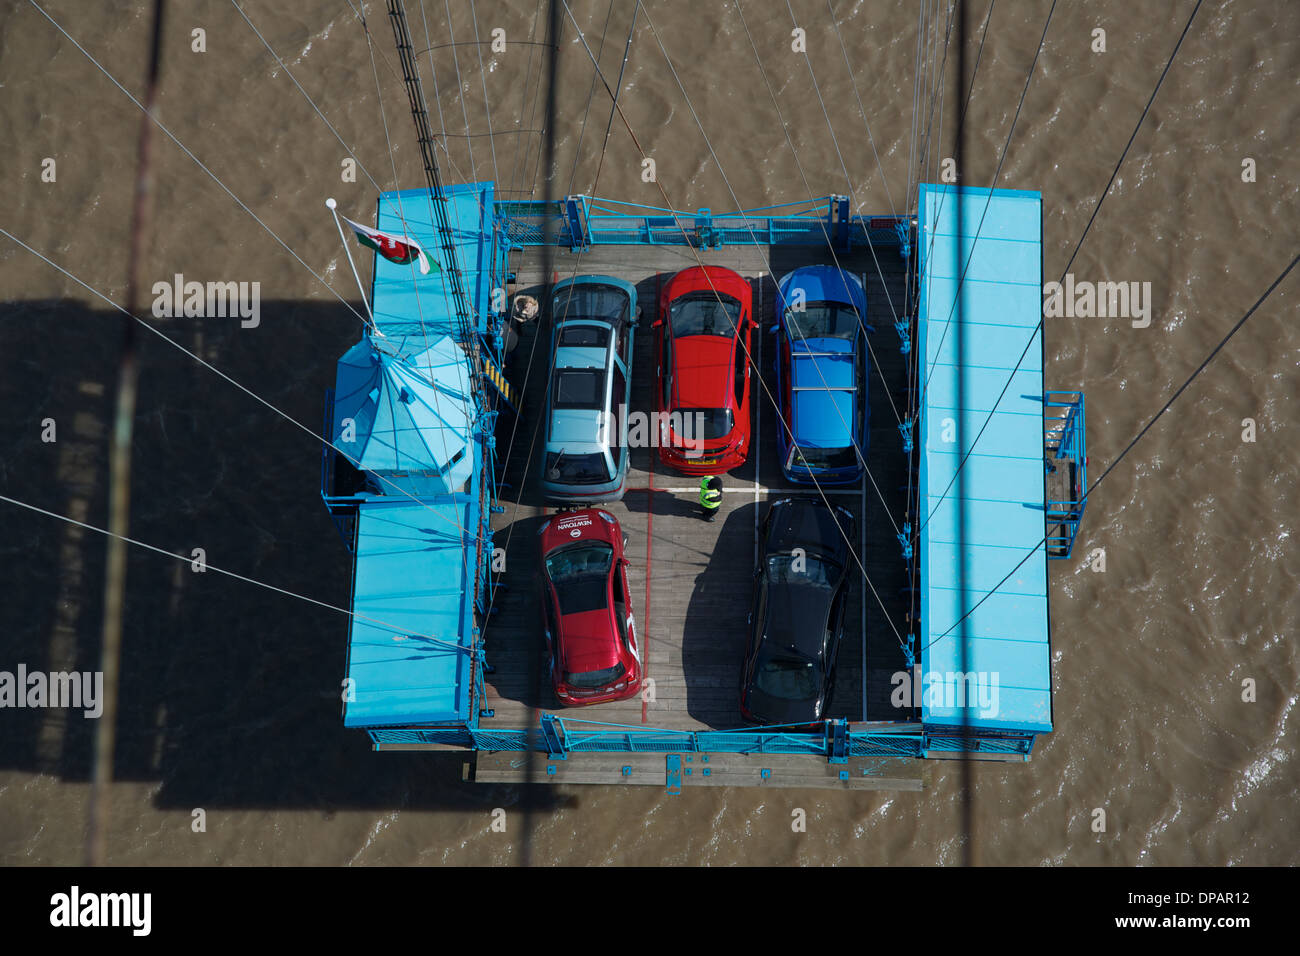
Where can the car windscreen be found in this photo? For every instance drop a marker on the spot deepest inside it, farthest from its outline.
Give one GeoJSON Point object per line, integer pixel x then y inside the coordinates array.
{"type": "Point", "coordinates": [580, 388]}
{"type": "Point", "coordinates": [822, 320]}
{"type": "Point", "coordinates": [567, 469]}
{"type": "Point", "coordinates": [823, 458]}
{"type": "Point", "coordinates": [789, 678]}
{"type": "Point", "coordinates": [704, 313]}
{"type": "Point", "coordinates": [801, 569]}
{"type": "Point", "coordinates": [711, 423]}
{"type": "Point", "coordinates": [582, 337]}
{"type": "Point", "coordinates": [590, 301]}
{"type": "Point", "coordinates": [580, 574]}
{"type": "Point", "coordinates": [594, 679]}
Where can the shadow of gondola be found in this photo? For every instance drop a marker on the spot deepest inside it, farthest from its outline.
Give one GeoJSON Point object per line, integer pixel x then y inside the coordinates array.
{"type": "Point", "coordinates": [230, 693]}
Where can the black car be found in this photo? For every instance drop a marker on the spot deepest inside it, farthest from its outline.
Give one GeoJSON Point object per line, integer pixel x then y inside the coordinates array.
{"type": "Point", "coordinates": [797, 615]}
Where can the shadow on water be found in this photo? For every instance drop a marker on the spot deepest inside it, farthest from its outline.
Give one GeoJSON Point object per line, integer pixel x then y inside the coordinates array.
{"type": "Point", "coordinates": [230, 692]}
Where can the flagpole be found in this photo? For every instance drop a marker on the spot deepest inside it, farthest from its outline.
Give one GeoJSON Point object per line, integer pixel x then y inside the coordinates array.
{"type": "Point", "coordinates": [333, 206]}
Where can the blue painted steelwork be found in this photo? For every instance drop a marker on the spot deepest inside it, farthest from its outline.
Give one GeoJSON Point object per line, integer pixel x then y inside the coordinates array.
{"type": "Point", "coordinates": [839, 741]}
{"type": "Point", "coordinates": [581, 222]}
{"type": "Point", "coordinates": [407, 470]}
{"type": "Point", "coordinates": [570, 735]}
{"type": "Point", "coordinates": [1065, 446]}
{"type": "Point", "coordinates": [433, 695]}
{"type": "Point", "coordinates": [652, 740]}
{"type": "Point", "coordinates": [1008, 657]}
{"type": "Point", "coordinates": [553, 736]}
{"type": "Point", "coordinates": [339, 483]}
{"type": "Point", "coordinates": [905, 540]}
{"type": "Point", "coordinates": [673, 763]}
{"type": "Point", "coordinates": [954, 744]}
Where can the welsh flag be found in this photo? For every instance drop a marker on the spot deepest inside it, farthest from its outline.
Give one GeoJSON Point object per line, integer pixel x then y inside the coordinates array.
{"type": "Point", "coordinates": [401, 250]}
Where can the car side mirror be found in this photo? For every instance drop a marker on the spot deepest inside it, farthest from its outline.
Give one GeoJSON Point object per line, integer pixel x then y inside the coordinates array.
{"type": "Point", "coordinates": [774, 328]}
{"type": "Point", "coordinates": [656, 323]}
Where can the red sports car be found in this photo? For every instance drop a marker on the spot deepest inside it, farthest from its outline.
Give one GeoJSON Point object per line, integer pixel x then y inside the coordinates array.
{"type": "Point", "coordinates": [704, 325]}
{"type": "Point", "coordinates": [589, 628]}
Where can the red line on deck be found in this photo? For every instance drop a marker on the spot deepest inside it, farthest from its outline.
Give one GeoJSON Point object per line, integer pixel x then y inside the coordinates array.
{"type": "Point", "coordinates": [649, 547]}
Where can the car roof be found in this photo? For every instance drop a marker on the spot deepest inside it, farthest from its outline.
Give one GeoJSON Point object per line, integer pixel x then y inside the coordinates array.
{"type": "Point", "coordinates": [570, 356]}
{"type": "Point", "coordinates": [791, 609]}
{"type": "Point", "coordinates": [822, 411]}
{"type": "Point", "coordinates": [587, 640]}
{"type": "Point", "coordinates": [578, 429]}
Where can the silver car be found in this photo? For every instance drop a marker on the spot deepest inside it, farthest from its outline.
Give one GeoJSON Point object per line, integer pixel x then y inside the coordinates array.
{"type": "Point", "coordinates": [585, 456]}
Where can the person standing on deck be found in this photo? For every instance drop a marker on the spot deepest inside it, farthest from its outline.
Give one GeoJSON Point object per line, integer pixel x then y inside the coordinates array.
{"type": "Point", "coordinates": [710, 496]}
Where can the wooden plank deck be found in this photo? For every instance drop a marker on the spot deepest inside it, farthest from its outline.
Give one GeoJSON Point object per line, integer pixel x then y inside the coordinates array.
{"type": "Point", "coordinates": [702, 770]}
{"type": "Point", "coordinates": [691, 580]}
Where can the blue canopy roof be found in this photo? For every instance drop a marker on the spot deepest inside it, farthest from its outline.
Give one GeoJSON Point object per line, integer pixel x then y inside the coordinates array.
{"type": "Point", "coordinates": [409, 656]}
{"type": "Point", "coordinates": [969, 544]}
{"type": "Point", "coordinates": [405, 413]}
{"type": "Point", "coordinates": [410, 306]}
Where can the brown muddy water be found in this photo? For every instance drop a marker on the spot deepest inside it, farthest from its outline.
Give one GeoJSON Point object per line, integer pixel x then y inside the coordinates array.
{"type": "Point", "coordinates": [230, 692]}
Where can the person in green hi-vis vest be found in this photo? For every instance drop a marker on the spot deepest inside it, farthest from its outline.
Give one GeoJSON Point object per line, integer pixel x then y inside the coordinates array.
{"type": "Point", "coordinates": [710, 496]}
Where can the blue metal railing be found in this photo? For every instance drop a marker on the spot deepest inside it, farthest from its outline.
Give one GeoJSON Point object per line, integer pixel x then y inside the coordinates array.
{"type": "Point", "coordinates": [533, 223]}
{"type": "Point", "coordinates": [560, 736]}
{"type": "Point", "coordinates": [1065, 442]}
{"type": "Point", "coordinates": [937, 745]}
{"type": "Point", "coordinates": [449, 736]}
{"type": "Point", "coordinates": [342, 508]}
{"type": "Point", "coordinates": [580, 222]}
{"type": "Point", "coordinates": [831, 741]}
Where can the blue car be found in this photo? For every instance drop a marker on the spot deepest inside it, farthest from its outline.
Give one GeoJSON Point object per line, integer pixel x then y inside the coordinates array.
{"type": "Point", "coordinates": [585, 457]}
{"type": "Point", "coordinates": [821, 370]}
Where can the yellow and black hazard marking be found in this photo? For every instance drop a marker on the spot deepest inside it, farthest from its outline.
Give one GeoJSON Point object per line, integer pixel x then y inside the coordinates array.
{"type": "Point", "coordinates": [498, 380]}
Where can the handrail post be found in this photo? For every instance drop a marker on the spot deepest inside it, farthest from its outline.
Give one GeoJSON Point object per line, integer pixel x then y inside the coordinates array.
{"type": "Point", "coordinates": [579, 241]}
{"type": "Point", "coordinates": [553, 737]}
{"type": "Point", "coordinates": [839, 222]}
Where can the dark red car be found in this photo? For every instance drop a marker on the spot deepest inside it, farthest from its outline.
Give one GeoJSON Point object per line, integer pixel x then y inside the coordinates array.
{"type": "Point", "coordinates": [589, 628]}
{"type": "Point", "coordinates": [704, 325]}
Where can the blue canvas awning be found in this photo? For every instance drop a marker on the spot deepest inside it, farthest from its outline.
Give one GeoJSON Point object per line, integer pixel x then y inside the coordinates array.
{"type": "Point", "coordinates": [405, 414]}
{"type": "Point", "coordinates": [975, 531]}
